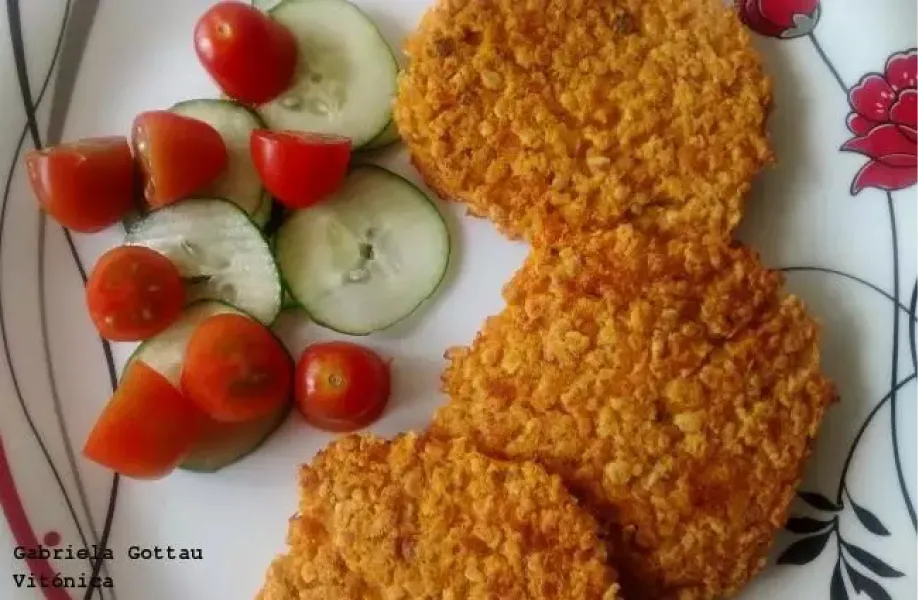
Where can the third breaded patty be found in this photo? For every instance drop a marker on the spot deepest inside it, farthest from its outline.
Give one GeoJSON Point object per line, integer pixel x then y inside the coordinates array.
{"type": "Point", "coordinates": [415, 518]}
{"type": "Point", "coordinates": [552, 115]}
{"type": "Point", "coordinates": [671, 384]}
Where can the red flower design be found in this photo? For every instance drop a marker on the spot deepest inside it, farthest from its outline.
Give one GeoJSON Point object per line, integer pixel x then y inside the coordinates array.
{"type": "Point", "coordinates": [884, 123]}
{"type": "Point", "coordinates": [780, 18]}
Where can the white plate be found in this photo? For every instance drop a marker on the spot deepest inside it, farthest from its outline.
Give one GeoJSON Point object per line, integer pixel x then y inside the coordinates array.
{"type": "Point", "coordinates": [853, 258]}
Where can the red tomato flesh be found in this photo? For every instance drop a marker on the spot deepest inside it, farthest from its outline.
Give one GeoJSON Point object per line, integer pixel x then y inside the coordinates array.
{"type": "Point", "coordinates": [133, 293]}
{"type": "Point", "coordinates": [235, 369]}
{"type": "Point", "coordinates": [251, 56]}
{"type": "Point", "coordinates": [178, 155]}
{"type": "Point", "coordinates": [300, 169]}
{"type": "Point", "coordinates": [146, 428]}
{"type": "Point", "coordinates": [341, 386]}
{"type": "Point", "coordinates": [85, 185]}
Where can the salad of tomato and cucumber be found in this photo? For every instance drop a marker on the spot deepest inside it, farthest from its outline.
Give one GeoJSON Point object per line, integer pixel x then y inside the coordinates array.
{"type": "Point", "coordinates": [235, 209]}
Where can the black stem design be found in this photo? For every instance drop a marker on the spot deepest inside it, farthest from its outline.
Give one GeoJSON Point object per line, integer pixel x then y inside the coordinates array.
{"type": "Point", "coordinates": [908, 310]}
{"type": "Point", "coordinates": [45, 337]}
{"type": "Point", "coordinates": [822, 54]}
{"type": "Point", "coordinates": [17, 388]}
{"type": "Point", "coordinates": [22, 72]}
{"type": "Point", "coordinates": [860, 434]}
{"type": "Point", "coordinates": [32, 127]}
{"type": "Point", "coordinates": [911, 327]}
{"type": "Point", "coordinates": [894, 370]}
{"type": "Point", "coordinates": [52, 382]}
{"type": "Point", "coordinates": [838, 544]}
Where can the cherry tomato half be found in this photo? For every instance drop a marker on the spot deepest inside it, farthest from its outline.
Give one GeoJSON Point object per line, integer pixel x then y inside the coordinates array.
{"type": "Point", "coordinates": [85, 185]}
{"type": "Point", "coordinates": [178, 155]}
{"type": "Point", "coordinates": [146, 428]}
{"type": "Point", "coordinates": [300, 169]}
{"type": "Point", "coordinates": [341, 386]}
{"type": "Point", "coordinates": [251, 56]}
{"type": "Point", "coordinates": [235, 369]}
{"type": "Point", "coordinates": [133, 293]}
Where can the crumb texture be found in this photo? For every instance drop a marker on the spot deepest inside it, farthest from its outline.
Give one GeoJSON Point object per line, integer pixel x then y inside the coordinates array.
{"type": "Point", "coordinates": [550, 116]}
{"type": "Point", "coordinates": [670, 383]}
{"type": "Point", "coordinates": [424, 519]}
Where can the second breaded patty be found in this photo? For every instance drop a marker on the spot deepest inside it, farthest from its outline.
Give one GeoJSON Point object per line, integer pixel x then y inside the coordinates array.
{"type": "Point", "coordinates": [548, 116]}
{"type": "Point", "coordinates": [420, 519]}
{"type": "Point", "coordinates": [670, 383]}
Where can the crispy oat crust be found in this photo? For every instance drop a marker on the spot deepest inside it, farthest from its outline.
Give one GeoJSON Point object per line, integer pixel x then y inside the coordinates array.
{"type": "Point", "coordinates": [422, 519]}
{"type": "Point", "coordinates": [550, 116]}
{"type": "Point", "coordinates": [670, 383]}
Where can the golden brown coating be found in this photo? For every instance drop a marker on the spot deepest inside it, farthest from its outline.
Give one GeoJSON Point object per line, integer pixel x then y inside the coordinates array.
{"type": "Point", "coordinates": [672, 386]}
{"type": "Point", "coordinates": [422, 519]}
{"type": "Point", "coordinates": [548, 116]}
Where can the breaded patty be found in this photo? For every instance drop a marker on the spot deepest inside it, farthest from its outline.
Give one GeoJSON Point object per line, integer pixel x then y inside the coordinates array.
{"type": "Point", "coordinates": [421, 519]}
{"type": "Point", "coordinates": [671, 384]}
{"type": "Point", "coordinates": [554, 115]}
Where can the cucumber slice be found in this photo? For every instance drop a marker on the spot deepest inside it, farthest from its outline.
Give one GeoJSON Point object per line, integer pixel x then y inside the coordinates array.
{"type": "Point", "coordinates": [265, 4]}
{"type": "Point", "coordinates": [240, 184]}
{"type": "Point", "coordinates": [221, 444]}
{"type": "Point", "coordinates": [367, 257]}
{"type": "Point", "coordinates": [387, 137]}
{"type": "Point", "coordinates": [218, 250]}
{"type": "Point", "coordinates": [346, 76]}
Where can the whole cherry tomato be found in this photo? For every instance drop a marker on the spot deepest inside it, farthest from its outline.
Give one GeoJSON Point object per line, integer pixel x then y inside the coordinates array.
{"type": "Point", "coordinates": [251, 56]}
{"type": "Point", "coordinates": [341, 386]}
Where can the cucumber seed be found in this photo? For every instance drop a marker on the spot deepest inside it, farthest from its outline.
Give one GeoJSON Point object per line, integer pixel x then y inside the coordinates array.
{"type": "Point", "coordinates": [292, 102]}
{"type": "Point", "coordinates": [357, 275]}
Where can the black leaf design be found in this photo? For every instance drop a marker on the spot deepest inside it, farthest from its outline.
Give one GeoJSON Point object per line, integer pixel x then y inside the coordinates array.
{"type": "Point", "coordinates": [803, 551]}
{"type": "Point", "coordinates": [870, 561]}
{"type": "Point", "coordinates": [837, 589]}
{"type": "Point", "coordinates": [806, 525]}
{"type": "Point", "coordinates": [862, 583]}
{"type": "Point", "coordinates": [868, 519]}
{"type": "Point", "coordinates": [819, 502]}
